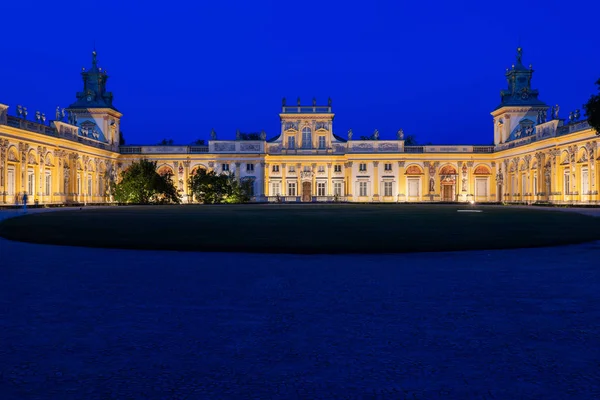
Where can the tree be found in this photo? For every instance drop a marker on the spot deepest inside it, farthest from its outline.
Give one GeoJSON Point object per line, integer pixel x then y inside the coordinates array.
{"type": "Point", "coordinates": [372, 137]}
{"type": "Point", "coordinates": [208, 187]}
{"type": "Point", "coordinates": [166, 142]}
{"type": "Point", "coordinates": [199, 142]}
{"type": "Point", "coordinates": [250, 136]}
{"type": "Point", "coordinates": [141, 184]}
{"type": "Point", "coordinates": [121, 139]}
{"type": "Point", "coordinates": [410, 140]}
{"type": "Point", "coordinates": [592, 110]}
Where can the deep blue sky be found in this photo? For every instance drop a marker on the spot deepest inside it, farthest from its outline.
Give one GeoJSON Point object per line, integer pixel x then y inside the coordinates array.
{"type": "Point", "coordinates": [180, 68]}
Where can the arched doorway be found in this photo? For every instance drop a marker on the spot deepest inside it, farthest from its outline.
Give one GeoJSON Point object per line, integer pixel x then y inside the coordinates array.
{"type": "Point", "coordinates": [448, 181]}
{"type": "Point", "coordinates": [306, 191]}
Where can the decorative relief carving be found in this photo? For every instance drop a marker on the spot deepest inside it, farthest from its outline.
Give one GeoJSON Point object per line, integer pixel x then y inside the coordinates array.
{"type": "Point", "coordinates": [224, 146]}
{"type": "Point", "coordinates": [250, 147]}
{"type": "Point", "coordinates": [362, 146]}
{"type": "Point", "coordinates": [388, 147]}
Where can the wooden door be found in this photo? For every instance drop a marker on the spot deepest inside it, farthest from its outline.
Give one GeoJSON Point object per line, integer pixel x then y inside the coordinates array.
{"type": "Point", "coordinates": [306, 191]}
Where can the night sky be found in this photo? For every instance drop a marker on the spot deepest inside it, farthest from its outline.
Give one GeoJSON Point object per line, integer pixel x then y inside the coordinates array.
{"type": "Point", "coordinates": [178, 69]}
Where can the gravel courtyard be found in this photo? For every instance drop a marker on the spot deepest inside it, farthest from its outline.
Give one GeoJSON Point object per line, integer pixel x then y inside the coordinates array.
{"type": "Point", "coordinates": [83, 323]}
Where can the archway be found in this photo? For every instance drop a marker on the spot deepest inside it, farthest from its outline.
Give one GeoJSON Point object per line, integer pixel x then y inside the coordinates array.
{"type": "Point", "coordinates": [448, 182]}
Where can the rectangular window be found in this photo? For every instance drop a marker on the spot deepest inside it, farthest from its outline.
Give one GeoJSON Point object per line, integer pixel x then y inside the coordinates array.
{"type": "Point", "coordinates": [320, 188]}
{"type": "Point", "coordinates": [275, 168]}
{"type": "Point", "coordinates": [362, 167]}
{"type": "Point", "coordinates": [362, 189]}
{"type": "Point", "coordinates": [11, 181]}
{"type": "Point", "coordinates": [30, 182]}
{"type": "Point", "coordinates": [292, 169]}
{"type": "Point", "coordinates": [387, 167]}
{"type": "Point", "coordinates": [413, 187]}
{"type": "Point", "coordinates": [337, 168]}
{"type": "Point", "coordinates": [535, 184]}
{"type": "Point", "coordinates": [321, 142]}
{"type": "Point", "coordinates": [275, 189]}
{"type": "Point", "coordinates": [291, 188]}
{"type": "Point", "coordinates": [567, 182]}
{"type": "Point", "coordinates": [337, 189]}
{"type": "Point", "coordinates": [89, 186]}
{"type": "Point", "coordinates": [250, 167]}
{"type": "Point", "coordinates": [321, 168]}
{"type": "Point", "coordinates": [48, 183]}
{"type": "Point", "coordinates": [225, 167]}
{"type": "Point", "coordinates": [387, 188]}
{"type": "Point", "coordinates": [524, 185]}
{"type": "Point", "coordinates": [306, 168]}
{"type": "Point", "coordinates": [585, 188]}
{"type": "Point", "coordinates": [291, 142]}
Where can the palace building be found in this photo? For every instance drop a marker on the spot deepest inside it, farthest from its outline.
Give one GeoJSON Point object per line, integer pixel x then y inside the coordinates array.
{"type": "Point", "coordinates": [536, 156]}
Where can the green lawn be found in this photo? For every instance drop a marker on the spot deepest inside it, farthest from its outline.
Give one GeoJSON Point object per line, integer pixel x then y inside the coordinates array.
{"type": "Point", "coordinates": [346, 228]}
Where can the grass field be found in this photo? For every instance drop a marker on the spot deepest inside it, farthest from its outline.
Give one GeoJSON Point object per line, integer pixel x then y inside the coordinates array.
{"type": "Point", "coordinates": [304, 229]}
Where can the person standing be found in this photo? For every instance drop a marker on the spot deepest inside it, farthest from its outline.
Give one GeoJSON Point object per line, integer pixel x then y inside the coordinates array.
{"type": "Point", "coordinates": [25, 202]}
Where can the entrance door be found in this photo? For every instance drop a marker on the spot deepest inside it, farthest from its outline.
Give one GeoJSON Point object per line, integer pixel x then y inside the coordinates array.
{"type": "Point", "coordinates": [306, 191]}
{"type": "Point", "coordinates": [447, 192]}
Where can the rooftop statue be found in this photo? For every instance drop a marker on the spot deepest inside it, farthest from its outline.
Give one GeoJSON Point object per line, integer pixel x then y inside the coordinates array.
{"type": "Point", "coordinates": [376, 134]}
{"type": "Point", "coordinates": [329, 102]}
{"type": "Point", "coordinates": [283, 102]}
{"type": "Point", "coordinates": [349, 134]}
{"type": "Point", "coordinates": [400, 134]}
{"type": "Point", "coordinates": [213, 134]}
{"type": "Point", "coordinates": [314, 102]}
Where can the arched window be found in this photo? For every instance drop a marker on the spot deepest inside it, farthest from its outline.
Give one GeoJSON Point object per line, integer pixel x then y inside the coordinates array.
{"type": "Point", "coordinates": [306, 138]}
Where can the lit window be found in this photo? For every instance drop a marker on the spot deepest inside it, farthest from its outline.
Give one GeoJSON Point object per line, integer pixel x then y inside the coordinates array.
{"type": "Point", "coordinates": [321, 189]}
{"type": "Point", "coordinates": [30, 182]}
{"type": "Point", "coordinates": [275, 189]}
{"type": "Point", "coordinates": [362, 188]}
{"type": "Point", "coordinates": [48, 183]}
{"type": "Point", "coordinates": [291, 188]}
{"type": "Point", "coordinates": [321, 142]}
{"type": "Point", "coordinates": [306, 138]}
{"type": "Point", "coordinates": [337, 188]}
{"type": "Point", "coordinates": [387, 189]}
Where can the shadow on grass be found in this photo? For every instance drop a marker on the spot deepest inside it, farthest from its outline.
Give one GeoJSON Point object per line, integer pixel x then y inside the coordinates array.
{"type": "Point", "coordinates": [304, 229]}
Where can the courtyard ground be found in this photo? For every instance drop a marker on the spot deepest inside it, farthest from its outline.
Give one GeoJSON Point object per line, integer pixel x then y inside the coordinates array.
{"type": "Point", "coordinates": [305, 229]}
{"type": "Point", "coordinates": [84, 323]}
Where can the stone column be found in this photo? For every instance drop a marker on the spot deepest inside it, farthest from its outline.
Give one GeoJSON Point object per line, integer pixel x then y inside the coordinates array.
{"type": "Point", "coordinates": [401, 182]}
{"type": "Point", "coordinates": [329, 180]}
{"type": "Point", "coordinates": [348, 180]}
{"type": "Point", "coordinates": [375, 181]}
{"type": "Point", "coordinates": [493, 189]}
{"type": "Point", "coordinates": [284, 189]}
{"type": "Point", "coordinates": [313, 186]}
{"type": "Point", "coordinates": [298, 179]}
{"type": "Point", "coordinates": [265, 172]}
{"type": "Point", "coordinates": [3, 170]}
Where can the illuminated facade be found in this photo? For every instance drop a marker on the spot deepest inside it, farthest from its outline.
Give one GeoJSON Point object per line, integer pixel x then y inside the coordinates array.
{"type": "Point", "coordinates": [534, 158]}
